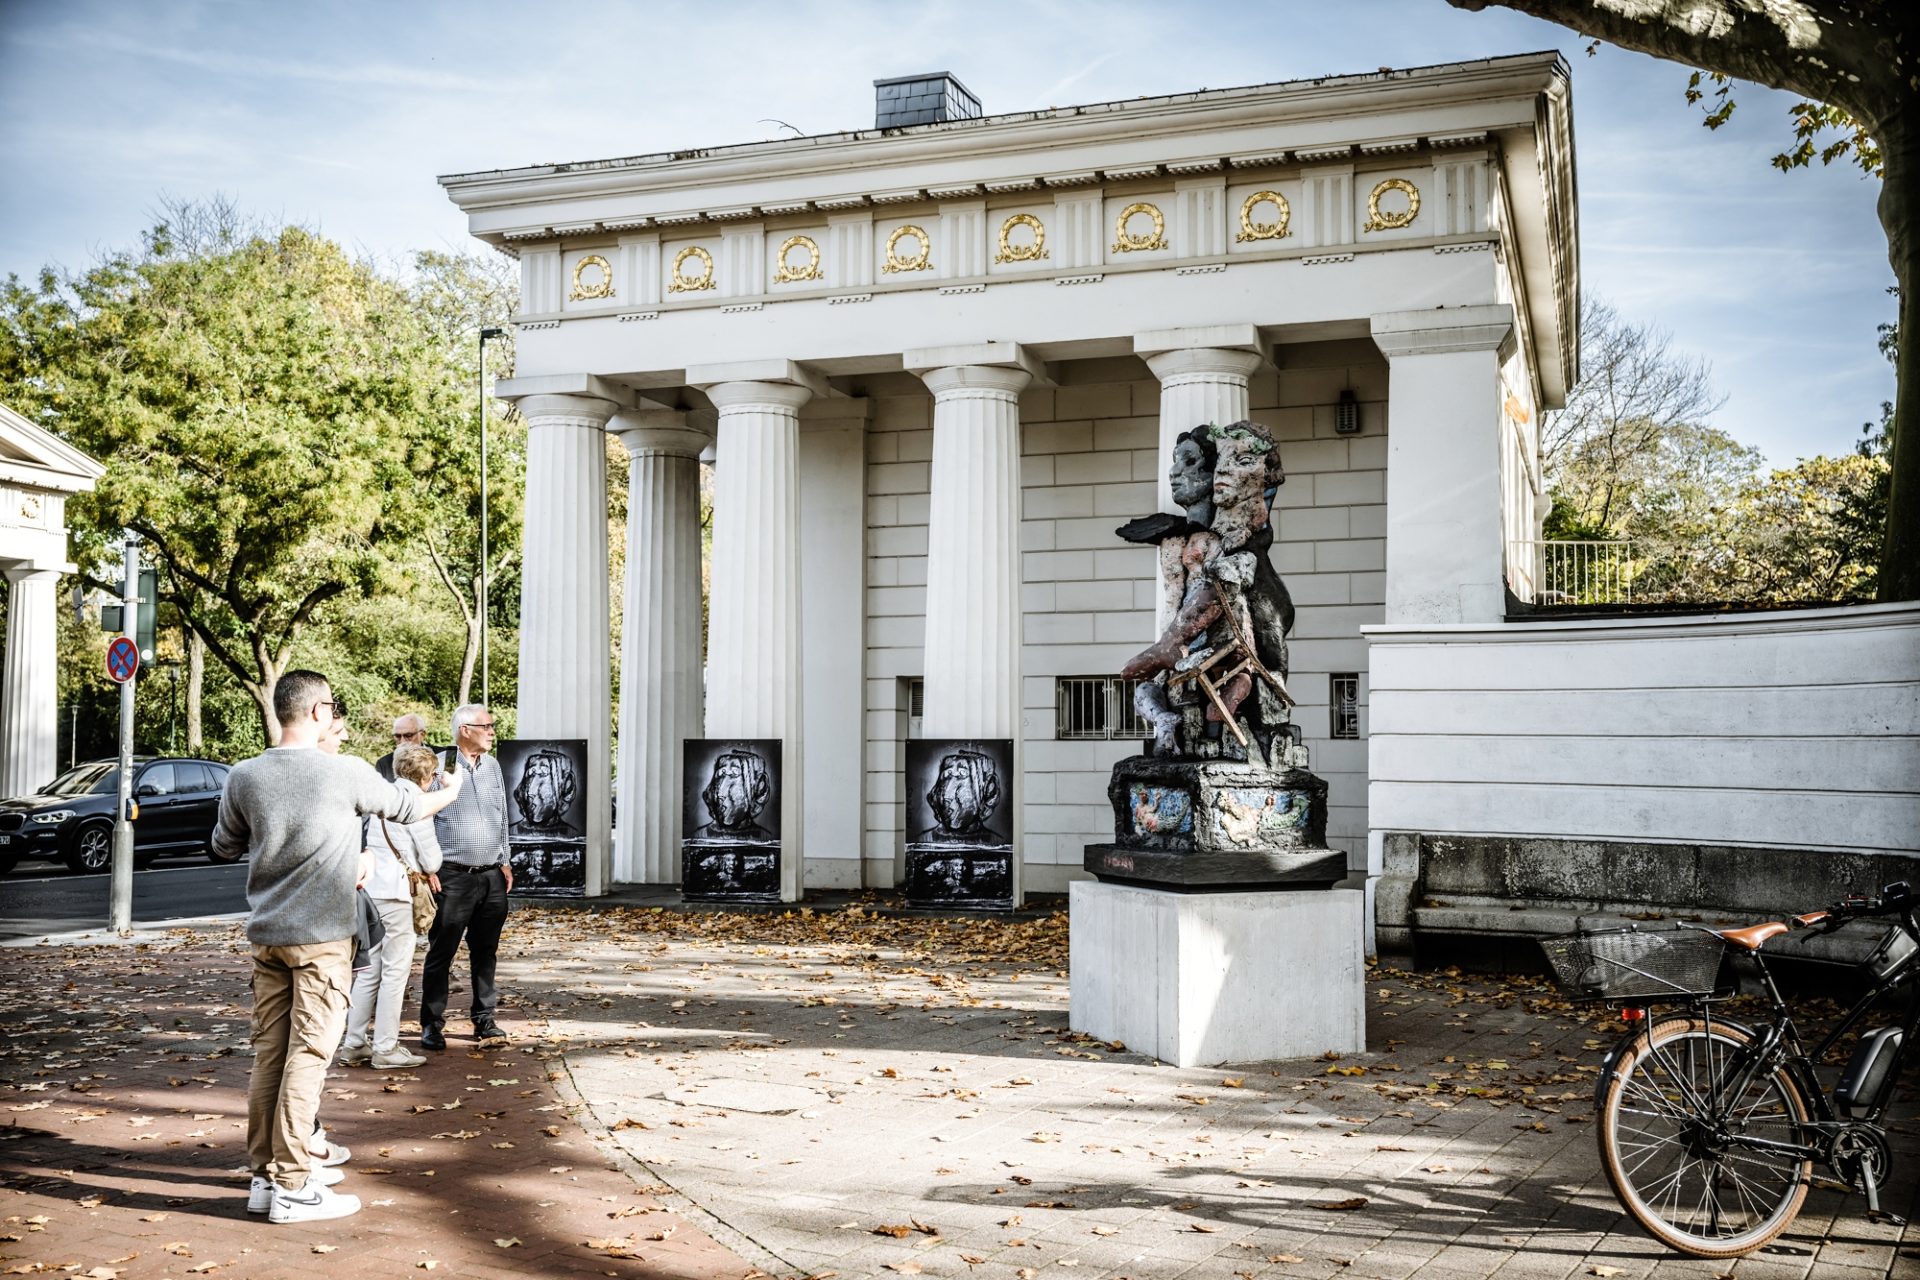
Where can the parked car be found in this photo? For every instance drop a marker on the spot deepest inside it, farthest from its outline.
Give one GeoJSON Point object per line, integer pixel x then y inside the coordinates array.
{"type": "Point", "coordinates": [71, 818]}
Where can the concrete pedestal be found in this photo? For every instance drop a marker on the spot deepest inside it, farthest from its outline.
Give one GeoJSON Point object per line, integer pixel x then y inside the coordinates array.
{"type": "Point", "coordinates": [1198, 979]}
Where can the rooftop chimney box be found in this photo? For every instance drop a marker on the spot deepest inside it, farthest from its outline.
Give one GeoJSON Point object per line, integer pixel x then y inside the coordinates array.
{"type": "Point", "coordinates": [922, 99]}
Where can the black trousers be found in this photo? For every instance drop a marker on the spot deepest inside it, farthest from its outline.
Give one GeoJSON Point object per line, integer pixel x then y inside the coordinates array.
{"type": "Point", "coordinates": [473, 906]}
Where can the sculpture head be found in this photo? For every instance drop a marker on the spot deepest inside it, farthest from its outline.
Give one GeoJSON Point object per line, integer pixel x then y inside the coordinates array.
{"type": "Point", "coordinates": [965, 793]}
{"type": "Point", "coordinates": [547, 787]}
{"type": "Point", "coordinates": [737, 791]}
{"type": "Point", "coordinates": [1247, 465]}
{"type": "Point", "coordinates": [1191, 474]}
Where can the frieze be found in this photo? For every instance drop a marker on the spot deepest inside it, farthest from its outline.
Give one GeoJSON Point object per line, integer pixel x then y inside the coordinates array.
{"type": "Point", "coordinates": [1251, 229]}
{"type": "Point", "coordinates": [1384, 220]}
{"type": "Point", "coordinates": [844, 299]}
{"type": "Point", "coordinates": [1092, 279]}
{"type": "Point", "coordinates": [787, 272]}
{"type": "Point", "coordinates": [1326, 258]}
{"type": "Point", "coordinates": [680, 282]}
{"type": "Point", "coordinates": [1012, 252]}
{"type": "Point", "coordinates": [1126, 241]}
{"type": "Point", "coordinates": [639, 315]}
{"type": "Point", "coordinates": [922, 260]}
{"type": "Point", "coordinates": [595, 286]}
{"type": "Point", "coordinates": [739, 308]}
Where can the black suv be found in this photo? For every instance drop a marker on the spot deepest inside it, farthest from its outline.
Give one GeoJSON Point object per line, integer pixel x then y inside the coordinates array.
{"type": "Point", "coordinates": [71, 818]}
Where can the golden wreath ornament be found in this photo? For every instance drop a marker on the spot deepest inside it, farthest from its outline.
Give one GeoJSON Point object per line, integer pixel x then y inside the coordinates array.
{"type": "Point", "coordinates": [1126, 242]}
{"type": "Point", "coordinates": [1251, 231]}
{"type": "Point", "coordinates": [1378, 221]}
{"type": "Point", "coordinates": [1011, 252]}
{"type": "Point", "coordinates": [683, 283]}
{"type": "Point", "coordinates": [921, 261]}
{"type": "Point", "coordinates": [793, 275]}
{"type": "Point", "coordinates": [589, 290]}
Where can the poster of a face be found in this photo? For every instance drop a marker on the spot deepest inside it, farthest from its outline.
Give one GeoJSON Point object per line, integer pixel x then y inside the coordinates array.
{"type": "Point", "coordinates": [546, 781]}
{"type": "Point", "coordinates": [732, 792]}
{"type": "Point", "coordinates": [960, 794]}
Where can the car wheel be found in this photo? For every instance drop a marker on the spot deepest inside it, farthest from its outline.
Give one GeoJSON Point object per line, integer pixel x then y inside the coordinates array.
{"type": "Point", "coordinates": [92, 850]}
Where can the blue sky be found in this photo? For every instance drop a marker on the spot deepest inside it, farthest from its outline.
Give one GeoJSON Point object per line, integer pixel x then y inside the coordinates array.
{"type": "Point", "coordinates": [339, 116]}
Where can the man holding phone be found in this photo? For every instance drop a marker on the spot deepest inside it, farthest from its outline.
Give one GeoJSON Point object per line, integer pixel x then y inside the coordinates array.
{"type": "Point", "coordinates": [474, 879]}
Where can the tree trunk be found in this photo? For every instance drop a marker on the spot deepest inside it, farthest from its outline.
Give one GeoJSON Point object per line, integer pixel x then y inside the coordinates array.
{"type": "Point", "coordinates": [196, 684]}
{"type": "Point", "coordinates": [469, 658]}
{"type": "Point", "coordinates": [1899, 138]}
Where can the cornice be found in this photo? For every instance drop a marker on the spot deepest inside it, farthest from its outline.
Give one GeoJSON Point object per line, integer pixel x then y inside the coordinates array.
{"type": "Point", "coordinates": [1138, 121]}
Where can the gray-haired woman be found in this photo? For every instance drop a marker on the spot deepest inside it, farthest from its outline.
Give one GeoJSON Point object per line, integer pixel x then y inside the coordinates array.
{"type": "Point", "coordinates": [381, 987]}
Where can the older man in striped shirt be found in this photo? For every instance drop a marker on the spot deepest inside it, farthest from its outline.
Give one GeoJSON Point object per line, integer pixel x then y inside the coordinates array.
{"type": "Point", "coordinates": [475, 875]}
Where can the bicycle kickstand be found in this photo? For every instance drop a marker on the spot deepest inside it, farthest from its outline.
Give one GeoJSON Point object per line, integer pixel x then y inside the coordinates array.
{"type": "Point", "coordinates": [1874, 1212]}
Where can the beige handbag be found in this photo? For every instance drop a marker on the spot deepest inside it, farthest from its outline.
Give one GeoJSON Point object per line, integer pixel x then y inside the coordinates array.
{"type": "Point", "coordinates": [424, 907]}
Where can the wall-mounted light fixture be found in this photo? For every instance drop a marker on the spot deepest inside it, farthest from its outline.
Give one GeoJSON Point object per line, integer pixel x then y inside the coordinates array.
{"type": "Point", "coordinates": [1346, 414]}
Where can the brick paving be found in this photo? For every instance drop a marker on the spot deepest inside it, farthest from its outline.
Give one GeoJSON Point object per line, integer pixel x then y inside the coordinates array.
{"type": "Point", "coordinates": [765, 1091]}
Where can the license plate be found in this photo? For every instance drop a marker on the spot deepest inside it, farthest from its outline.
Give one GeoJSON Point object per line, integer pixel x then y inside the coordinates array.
{"type": "Point", "coordinates": [6, 839]}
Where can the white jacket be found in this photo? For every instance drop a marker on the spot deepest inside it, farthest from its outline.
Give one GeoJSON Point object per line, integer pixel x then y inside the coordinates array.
{"type": "Point", "coordinates": [416, 845]}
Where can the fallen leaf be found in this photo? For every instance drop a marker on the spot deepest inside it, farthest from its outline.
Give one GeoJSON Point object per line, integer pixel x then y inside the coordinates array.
{"type": "Point", "coordinates": [1355, 1202]}
{"type": "Point", "coordinates": [1598, 1270]}
{"type": "Point", "coordinates": [1438, 1168]}
{"type": "Point", "coordinates": [1106, 1231]}
{"type": "Point", "coordinates": [325, 1248]}
{"type": "Point", "coordinates": [506, 1242]}
{"type": "Point", "coordinates": [908, 1268]}
{"type": "Point", "coordinates": [1202, 1229]}
{"type": "Point", "coordinates": [1285, 1257]}
{"type": "Point", "coordinates": [632, 1124]}
{"type": "Point", "coordinates": [898, 1230]}
{"type": "Point", "coordinates": [1232, 1082]}
{"type": "Point", "coordinates": [427, 1265]}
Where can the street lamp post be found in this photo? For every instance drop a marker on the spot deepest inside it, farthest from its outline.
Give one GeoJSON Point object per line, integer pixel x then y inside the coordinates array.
{"type": "Point", "coordinates": [486, 563]}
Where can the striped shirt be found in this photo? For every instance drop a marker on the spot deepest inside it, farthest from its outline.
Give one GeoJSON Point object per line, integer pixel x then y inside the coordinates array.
{"type": "Point", "coordinates": [473, 829]}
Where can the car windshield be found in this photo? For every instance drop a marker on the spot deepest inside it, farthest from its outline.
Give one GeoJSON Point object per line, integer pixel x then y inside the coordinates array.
{"type": "Point", "coordinates": [87, 779]}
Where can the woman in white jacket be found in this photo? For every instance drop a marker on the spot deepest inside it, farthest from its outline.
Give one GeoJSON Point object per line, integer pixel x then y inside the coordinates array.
{"type": "Point", "coordinates": [381, 987]}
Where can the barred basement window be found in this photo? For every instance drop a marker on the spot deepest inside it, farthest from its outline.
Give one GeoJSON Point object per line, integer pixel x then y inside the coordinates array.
{"type": "Point", "coordinates": [1344, 704]}
{"type": "Point", "coordinates": [916, 698]}
{"type": "Point", "coordinates": [1096, 707]}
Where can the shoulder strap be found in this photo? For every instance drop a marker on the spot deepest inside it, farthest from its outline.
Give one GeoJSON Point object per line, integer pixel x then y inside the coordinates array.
{"type": "Point", "coordinates": [388, 836]}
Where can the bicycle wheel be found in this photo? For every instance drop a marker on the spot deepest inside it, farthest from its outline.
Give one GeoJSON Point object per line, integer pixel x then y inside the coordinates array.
{"type": "Point", "coordinates": [1668, 1141]}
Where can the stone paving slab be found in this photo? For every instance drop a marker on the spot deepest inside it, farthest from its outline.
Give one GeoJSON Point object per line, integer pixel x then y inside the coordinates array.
{"type": "Point", "coordinates": [755, 1094]}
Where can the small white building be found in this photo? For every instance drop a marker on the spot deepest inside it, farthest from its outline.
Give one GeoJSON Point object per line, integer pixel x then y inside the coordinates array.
{"type": "Point", "coordinates": [38, 472]}
{"type": "Point", "coordinates": [939, 364]}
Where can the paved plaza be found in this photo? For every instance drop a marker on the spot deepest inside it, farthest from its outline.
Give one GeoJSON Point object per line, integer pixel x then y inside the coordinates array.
{"type": "Point", "coordinates": [834, 1093]}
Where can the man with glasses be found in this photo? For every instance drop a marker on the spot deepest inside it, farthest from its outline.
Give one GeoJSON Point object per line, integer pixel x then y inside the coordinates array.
{"type": "Point", "coordinates": [408, 730]}
{"type": "Point", "coordinates": [294, 811]}
{"type": "Point", "coordinates": [475, 876]}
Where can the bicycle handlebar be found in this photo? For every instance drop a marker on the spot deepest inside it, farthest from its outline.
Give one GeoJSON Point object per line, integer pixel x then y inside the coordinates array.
{"type": "Point", "coordinates": [1893, 899]}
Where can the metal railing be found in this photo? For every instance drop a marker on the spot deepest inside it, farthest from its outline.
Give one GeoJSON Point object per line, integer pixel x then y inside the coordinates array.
{"type": "Point", "coordinates": [1576, 572]}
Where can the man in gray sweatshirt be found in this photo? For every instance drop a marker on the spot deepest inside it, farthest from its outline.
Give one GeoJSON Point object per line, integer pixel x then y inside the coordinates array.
{"type": "Point", "coordinates": [295, 812]}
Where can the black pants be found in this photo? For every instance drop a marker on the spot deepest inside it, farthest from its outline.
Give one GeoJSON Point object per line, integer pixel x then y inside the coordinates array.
{"type": "Point", "coordinates": [473, 905]}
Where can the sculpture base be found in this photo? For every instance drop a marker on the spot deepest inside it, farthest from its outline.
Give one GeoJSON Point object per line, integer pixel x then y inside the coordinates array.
{"type": "Point", "coordinates": [1203, 979]}
{"type": "Point", "coordinates": [1202, 871]}
{"type": "Point", "coordinates": [960, 880]}
{"type": "Point", "coordinates": [730, 873]}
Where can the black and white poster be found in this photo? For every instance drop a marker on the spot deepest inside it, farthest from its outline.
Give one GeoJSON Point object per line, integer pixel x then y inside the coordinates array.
{"type": "Point", "coordinates": [546, 781]}
{"type": "Point", "coordinates": [730, 820]}
{"type": "Point", "coordinates": [960, 823]}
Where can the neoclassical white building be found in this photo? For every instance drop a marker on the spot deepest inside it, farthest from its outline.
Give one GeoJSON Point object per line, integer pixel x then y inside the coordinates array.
{"type": "Point", "coordinates": [38, 472]}
{"type": "Point", "coordinates": [937, 365]}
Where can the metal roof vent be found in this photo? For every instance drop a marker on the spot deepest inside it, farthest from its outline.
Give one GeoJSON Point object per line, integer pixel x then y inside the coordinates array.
{"type": "Point", "coordinates": [922, 99]}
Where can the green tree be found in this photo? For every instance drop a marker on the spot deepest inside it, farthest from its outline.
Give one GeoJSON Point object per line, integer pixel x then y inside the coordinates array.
{"type": "Point", "coordinates": [265, 404]}
{"type": "Point", "coordinates": [1854, 63]}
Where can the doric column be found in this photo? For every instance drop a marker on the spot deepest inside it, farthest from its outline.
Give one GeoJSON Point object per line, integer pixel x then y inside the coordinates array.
{"type": "Point", "coordinates": [29, 717]}
{"type": "Point", "coordinates": [566, 677]}
{"type": "Point", "coordinates": [1444, 534]}
{"type": "Point", "coordinates": [972, 656]}
{"type": "Point", "coordinates": [753, 612]}
{"type": "Point", "coordinates": [1203, 378]}
{"type": "Point", "coordinates": [659, 637]}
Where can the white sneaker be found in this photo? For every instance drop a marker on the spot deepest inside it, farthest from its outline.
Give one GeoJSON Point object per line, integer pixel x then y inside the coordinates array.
{"type": "Point", "coordinates": [260, 1191]}
{"type": "Point", "coordinates": [354, 1055]}
{"type": "Point", "coordinates": [397, 1059]}
{"type": "Point", "coordinates": [314, 1204]}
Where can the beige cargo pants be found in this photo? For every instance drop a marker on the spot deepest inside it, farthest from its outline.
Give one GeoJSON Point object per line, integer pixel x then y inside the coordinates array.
{"type": "Point", "coordinates": [299, 1013]}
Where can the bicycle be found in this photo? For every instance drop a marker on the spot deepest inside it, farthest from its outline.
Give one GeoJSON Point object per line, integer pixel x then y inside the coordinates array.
{"type": "Point", "coordinates": [1709, 1129]}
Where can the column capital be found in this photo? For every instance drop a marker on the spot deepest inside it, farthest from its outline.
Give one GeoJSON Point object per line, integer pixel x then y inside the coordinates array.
{"type": "Point", "coordinates": [678, 432]}
{"type": "Point", "coordinates": [1205, 364]}
{"type": "Point", "coordinates": [1003, 356]}
{"type": "Point", "coordinates": [782, 397]}
{"type": "Point", "coordinates": [36, 573]}
{"type": "Point", "coordinates": [1234, 338]}
{"type": "Point", "coordinates": [1442, 330]}
{"type": "Point", "coordinates": [997, 379]}
{"type": "Point", "coordinates": [787, 373]}
{"type": "Point", "coordinates": [586, 411]}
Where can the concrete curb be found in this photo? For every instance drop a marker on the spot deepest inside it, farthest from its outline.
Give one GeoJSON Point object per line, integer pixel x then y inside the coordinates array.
{"type": "Point", "coordinates": [106, 937]}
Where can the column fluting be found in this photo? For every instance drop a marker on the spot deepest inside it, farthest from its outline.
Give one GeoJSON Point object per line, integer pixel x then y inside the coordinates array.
{"type": "Point", "coordinates": [29, 714]}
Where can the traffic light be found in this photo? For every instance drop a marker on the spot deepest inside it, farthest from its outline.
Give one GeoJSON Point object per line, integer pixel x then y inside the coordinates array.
{"type": "Point", "coordinates": [112, 621]}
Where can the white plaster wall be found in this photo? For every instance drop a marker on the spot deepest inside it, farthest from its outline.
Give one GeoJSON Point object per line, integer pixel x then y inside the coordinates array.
{"type": "Point", "coordinates": [832, 438]}
{"type": "Point", "coordinates": [1788, 730]}
{"type": "Point", "coordinates": [1089, 465]}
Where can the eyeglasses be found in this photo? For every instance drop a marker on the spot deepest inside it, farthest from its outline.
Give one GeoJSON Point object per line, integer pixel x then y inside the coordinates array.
{"type": "Point", "coordinates": [484, 728]}
{"type": "Point", "coordinates": [410, 737]}
{"type": "Point", "coordinates": [338, 704]}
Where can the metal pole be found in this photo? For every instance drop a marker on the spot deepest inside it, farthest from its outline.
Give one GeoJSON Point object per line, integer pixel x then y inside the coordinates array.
{"type": "Point", "coordinates": [120, 913]}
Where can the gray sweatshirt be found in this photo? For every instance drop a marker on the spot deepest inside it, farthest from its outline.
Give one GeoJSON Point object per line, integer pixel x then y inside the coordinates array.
{"type": "Point", "coordinates": [296, 811]}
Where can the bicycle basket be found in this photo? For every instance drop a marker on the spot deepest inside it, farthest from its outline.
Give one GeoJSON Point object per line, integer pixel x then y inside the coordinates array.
{"type": "Point", "coordinates": [1625, 964]}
